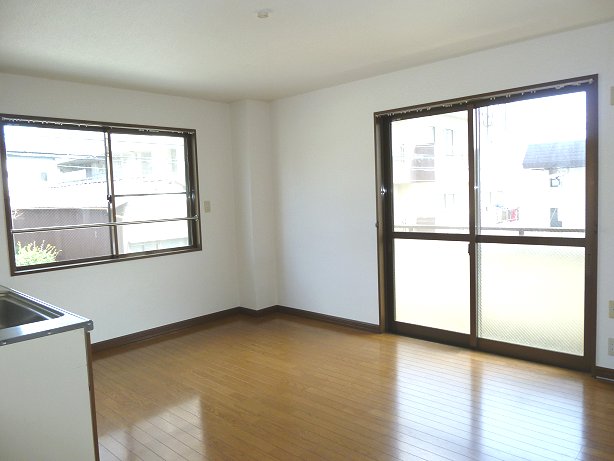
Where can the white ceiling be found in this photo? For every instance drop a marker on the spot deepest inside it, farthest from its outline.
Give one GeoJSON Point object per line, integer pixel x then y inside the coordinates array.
{"type": "Point", "coordinates": [220, 50]}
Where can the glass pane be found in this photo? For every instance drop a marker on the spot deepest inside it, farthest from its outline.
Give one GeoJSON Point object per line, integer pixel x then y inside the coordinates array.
{"type": "Point", "coordinates": [432, 284]}
{"type": "Point", "coordinates": [532, 167]}
{"type": "Point", "coordinates": [135, 238]}
{"type": "Point", "coordinates": [146, 164]}
{"type": "Point", "coordinates": [66, 245]}
{"type": "Point", "coordinates": [532, 296]}
{"type": "Point", "coordinates": [56, 177]}
{"type": "Point", "coordinates": [431, 174]}
{"type": "Point", "coordinates": [147, 207]}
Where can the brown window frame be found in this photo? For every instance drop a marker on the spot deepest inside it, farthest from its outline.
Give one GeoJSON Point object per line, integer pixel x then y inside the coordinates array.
{"type": "Point", "coordinates": [115, 254]}
{"type": "Point", "coordinates": [386, 233]}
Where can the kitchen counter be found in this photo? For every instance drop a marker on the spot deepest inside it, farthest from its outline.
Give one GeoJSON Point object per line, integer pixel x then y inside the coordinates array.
{"type": "Point", "coordinates": [43, 318]}
{"type": "Point", "coordinates": [47, 408]}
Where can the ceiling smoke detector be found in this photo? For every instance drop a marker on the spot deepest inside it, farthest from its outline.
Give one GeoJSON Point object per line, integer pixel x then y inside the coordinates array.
{"type": "Point", "coordinates": [264, 13]}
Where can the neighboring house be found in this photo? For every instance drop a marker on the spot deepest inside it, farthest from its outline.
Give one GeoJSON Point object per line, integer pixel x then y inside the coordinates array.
{"type": "Point", "coordinates": [524, 186]}
{"type": "Point", "coordinates": [66, 189]}
{"type": "Point", "coordinates": [560, 167]}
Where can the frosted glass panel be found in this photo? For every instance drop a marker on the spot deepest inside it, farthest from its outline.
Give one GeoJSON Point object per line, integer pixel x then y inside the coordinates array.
{"type": "Point", "coordinates": [432, 284]}
{"type": "Point", "coordinates": [532, 295]}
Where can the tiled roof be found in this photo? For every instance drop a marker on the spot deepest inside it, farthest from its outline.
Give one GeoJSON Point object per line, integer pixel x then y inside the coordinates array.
{"type": "Point", "coordinates": [547, 156]}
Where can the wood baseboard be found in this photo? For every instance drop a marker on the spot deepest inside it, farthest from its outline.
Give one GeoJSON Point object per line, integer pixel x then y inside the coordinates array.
{"type": "Point", "coordinates": [163, 330]}
{"type": "Point", "coordinates": [262, 313]}
{"type": "Point", "coordinates": [597, 372]}
{"type": "Point", "coordinates": [603, 373]}
{"type": "Point", "coordinates": [370, 327]}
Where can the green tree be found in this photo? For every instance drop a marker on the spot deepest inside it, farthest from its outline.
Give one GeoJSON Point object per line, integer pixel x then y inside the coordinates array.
{"type": "Point", "coordinates": [30, 254]}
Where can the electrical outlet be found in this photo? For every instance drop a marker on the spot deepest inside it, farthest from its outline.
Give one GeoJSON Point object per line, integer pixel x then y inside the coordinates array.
{"type": "Point", "coordinates": [207, 209]}
{"type": "Point", "coordinates": [611, 346]}
{"type": "Point", "coordinates": [611, 308]}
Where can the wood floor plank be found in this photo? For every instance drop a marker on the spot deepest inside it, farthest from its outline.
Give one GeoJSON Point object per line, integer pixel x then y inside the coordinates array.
{"type": "Point", "coordinates": [106, 455]}
{"type": "Point", "coordinates": [287, 388]}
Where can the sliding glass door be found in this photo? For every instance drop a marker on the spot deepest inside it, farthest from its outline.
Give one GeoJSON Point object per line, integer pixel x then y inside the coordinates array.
{"type": "Point", "coordinates": [430, 176]}
{"type": "Point", "coordinates": [488, 221]}
{"type": "Point", "coordinates": [531, 219]}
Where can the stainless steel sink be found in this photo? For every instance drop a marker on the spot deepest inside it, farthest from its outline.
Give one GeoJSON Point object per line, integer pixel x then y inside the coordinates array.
{"type": "Point", "coordinates": [15, 312]}
{"type": "Point", "coordinates": [23, 317]}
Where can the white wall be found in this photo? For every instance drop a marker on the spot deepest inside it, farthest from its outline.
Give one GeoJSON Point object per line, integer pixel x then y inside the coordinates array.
{"type": "Point", "coordinates": [123, 298]}
{"type": "Point", "coordinates": [255, 203]}
{"type": "Point", "coordinates": [326, 175]}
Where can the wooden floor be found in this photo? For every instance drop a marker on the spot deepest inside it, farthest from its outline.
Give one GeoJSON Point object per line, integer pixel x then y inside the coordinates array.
{"type": "Point", "coordinates": [286, 388]}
